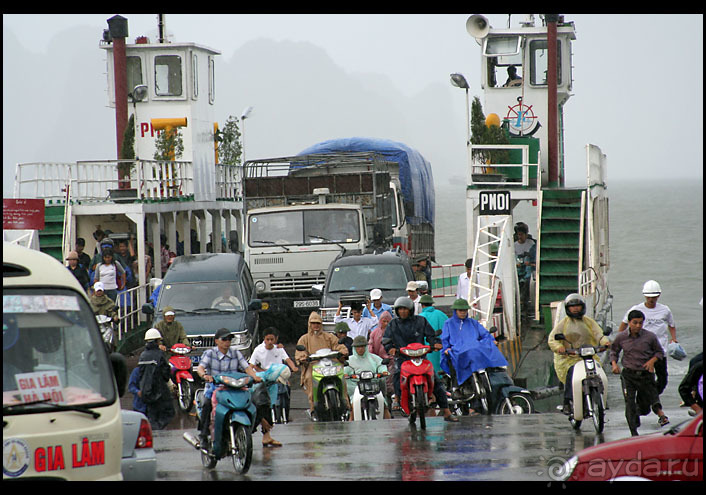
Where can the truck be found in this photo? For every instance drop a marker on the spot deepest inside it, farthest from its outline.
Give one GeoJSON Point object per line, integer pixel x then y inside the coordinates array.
{"type": "Point", "coordinates": [304, 211]}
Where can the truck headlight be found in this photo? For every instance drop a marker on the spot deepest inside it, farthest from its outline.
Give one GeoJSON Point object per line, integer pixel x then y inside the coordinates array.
{"type": "Point", "coordinates": [260, 286]}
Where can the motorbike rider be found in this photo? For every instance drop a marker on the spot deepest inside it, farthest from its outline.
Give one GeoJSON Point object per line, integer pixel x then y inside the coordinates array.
{"type": "Point", "coordinates": [578, 329]}
{"type": "Point", "coordinates": [172, 331]}
{"type": "Point", "coordinates": [406, 329]}
{"type": "Point", "coordinates": [153, 378]}
{"type": "Point", "coordinates": [313, 340]}
{"type": "Point", "coordinates": [102, 304]}
{"type": "Point", "coordinates": [363, 360]}
{"type": "Point", "coordinates": [466, 345]}
{"type": "Point", "coordinates": [220, 359]}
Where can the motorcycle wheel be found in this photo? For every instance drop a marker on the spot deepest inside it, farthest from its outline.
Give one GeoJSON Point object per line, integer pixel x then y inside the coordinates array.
{"type": "Point", "coordinates": [369, 410]}
{"type": "Point", "coordinates": [419, 405]}
{"type": "Point", "coordinates": [185, 396]}
{"type": "Point", "coordinates": [207, 460]}
{"type": "Point", "coordinates": [482, 394]}
{"type": "Point", "coordinates": [519, 404]}
{"type": "Point", "coordinates": [598, 411]}
{"type": "Point", "coordinates": [334, 406]}
{"type": "Point", "coordinates": [240, 447]}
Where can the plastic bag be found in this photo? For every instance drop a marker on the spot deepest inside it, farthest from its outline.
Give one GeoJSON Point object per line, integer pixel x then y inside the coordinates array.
{"type": "Point", "coordinates": [676, 351]}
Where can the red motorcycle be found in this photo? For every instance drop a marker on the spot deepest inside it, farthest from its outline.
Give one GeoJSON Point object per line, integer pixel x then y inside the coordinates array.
{"type": "Point", "coordinates": [416, 382]}
{"type": "Point", "coordinates": [180, 366]}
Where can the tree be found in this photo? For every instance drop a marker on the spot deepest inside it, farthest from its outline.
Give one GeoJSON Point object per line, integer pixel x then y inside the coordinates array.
{"type": "Point", "coordinates": [483, 134]}
{"type": "Point", "coordinates": [230, 149]}
{"type": "Point", "coordinates": [169, 145]}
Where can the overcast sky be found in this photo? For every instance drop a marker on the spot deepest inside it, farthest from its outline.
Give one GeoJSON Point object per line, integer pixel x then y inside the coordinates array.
{"type": "Point", "coordinates": [638, 79]}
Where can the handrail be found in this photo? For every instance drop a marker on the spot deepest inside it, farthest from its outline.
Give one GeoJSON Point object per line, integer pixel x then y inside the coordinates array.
{"type": "Point", "coordinates": [524, 165]}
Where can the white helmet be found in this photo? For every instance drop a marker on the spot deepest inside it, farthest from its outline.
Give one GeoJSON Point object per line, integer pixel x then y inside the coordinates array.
{"type": "Point", "coordinates": [152, 334]}
{"type": "Point", "coordinates": [651, 289]}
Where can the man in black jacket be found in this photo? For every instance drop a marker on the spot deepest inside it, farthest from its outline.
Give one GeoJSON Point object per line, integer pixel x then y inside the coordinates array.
{"type": "Point", "coordinates": [406, 329]}
{"type": "Point", "coordinates": [154, 375]}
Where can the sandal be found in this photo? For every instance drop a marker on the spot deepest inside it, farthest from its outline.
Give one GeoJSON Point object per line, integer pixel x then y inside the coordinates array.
{"type": "Point", "coordinates": [451, 418]}
{"type": "Point", "coordinates": [663, 420]}
{"type": "Point", "coordinates": [272, 443]}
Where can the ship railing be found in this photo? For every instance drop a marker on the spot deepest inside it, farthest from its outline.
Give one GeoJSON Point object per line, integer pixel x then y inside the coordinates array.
{"type": "Point", "coordinates": [129, 304]}
{"type": "Point", "coordinates": [444, 279]}
{"type": "Point", "coordinates": [97, 180]}
{"type": "Point", "coordinates": [495, 174]}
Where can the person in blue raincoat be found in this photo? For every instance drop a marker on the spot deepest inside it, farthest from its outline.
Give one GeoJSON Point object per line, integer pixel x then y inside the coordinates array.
{"type": "Point", "coordinates": [466, 345]}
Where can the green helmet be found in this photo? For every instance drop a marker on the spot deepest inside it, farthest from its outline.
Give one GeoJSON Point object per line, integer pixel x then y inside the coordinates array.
{"type": "Point", "coordinates": [460, 304]}
{"type": "Point", "coordinates": [342, 327]}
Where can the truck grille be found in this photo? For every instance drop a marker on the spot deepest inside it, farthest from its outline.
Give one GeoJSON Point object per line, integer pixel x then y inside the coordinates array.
{"type": "Point", "coordinates": [272, 260]}
{"type": "Point", "coordinates": [289, 284]}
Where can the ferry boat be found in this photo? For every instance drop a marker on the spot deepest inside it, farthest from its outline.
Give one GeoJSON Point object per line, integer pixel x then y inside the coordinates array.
{"type": "Point", "coordinates": [526, 78]}
{"type": "Point", "coordinates": [194, 200]}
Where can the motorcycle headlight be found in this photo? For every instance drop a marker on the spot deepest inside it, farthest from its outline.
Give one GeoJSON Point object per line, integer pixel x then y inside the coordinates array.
{"type": "Point", "coordinates": [366, 375]}
{"type": "Point", "coordinates": [331, 370]}
{"type": "Point", "coordinates": [235, 382]}
{"type": "Point", "coordinates": [587, 351]}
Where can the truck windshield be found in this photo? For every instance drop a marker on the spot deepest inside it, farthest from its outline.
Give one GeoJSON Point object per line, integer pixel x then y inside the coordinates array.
{"type": "Point", "coordinates": [195, 296]}
{"type": "Point", "coordinates": [319, 226]}
{"type": "Point", "coordinates": [53, 353]}
{"type": "Point", "coordinates": [368, 277]}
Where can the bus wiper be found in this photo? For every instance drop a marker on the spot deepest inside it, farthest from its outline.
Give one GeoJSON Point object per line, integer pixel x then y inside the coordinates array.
{"type": "Point", "coordinates": [273, 243]}
{"type": "Point", "coordinates": [55, 407]}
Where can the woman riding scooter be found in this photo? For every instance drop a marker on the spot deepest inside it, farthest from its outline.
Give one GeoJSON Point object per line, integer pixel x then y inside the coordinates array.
{"type": "Point", "coordinates": [578, 330]}
{"type": "Point", "coordinates": [362, 360]}
{"type": "Point", "coordinates": [467, 346]}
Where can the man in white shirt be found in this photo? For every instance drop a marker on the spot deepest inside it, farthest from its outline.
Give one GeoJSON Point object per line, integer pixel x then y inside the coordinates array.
{"type": "Point", "coordinates": [269, 352]}
{"type": "Point", "coordinates": [464, 280]}
{"type": "Point", "coordinates": [358, 324]}
{"type": "Point", "coordinates": [413, 294]}
{"type": "Point", "coordinates": [658, 320]}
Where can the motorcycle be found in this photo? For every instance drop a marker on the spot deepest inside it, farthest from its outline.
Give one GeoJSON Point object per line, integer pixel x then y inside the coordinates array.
{"type": "Point", "coordinates": [416, 382]}
{"type": "Point", "coordinates": [589, 387]}
{"type": "Point", "coordinates": [276, 379]}
{"type": "Point", "coordinates": [180, 367]}
{"type": "Point", "coordinates": [233, 424]}
{"type": "Point", "coordinates": [105, 324]}
{"type": "Point", "coordinates": [368, 400]}
{"type": "Point", "coordinates": [493, 389]}
{"type": "Point", "coordinates": [327, 384]}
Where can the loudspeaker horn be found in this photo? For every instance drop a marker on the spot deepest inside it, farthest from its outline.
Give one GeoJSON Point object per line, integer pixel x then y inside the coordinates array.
{"type": "Point", "coordinates": [477, 26]}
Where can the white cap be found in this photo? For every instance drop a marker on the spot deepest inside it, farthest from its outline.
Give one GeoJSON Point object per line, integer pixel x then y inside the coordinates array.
{"type": "Point", "coordinates": [412, 285]}
{"type": "Point", "coordinates": [98, 286]}
{"type": "Point", "coordinates": [169, 313]}
{"type": "Point", "coordinates": [375, 294]}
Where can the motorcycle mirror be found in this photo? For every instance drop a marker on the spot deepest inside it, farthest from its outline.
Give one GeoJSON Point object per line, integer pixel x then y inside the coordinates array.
{"type": "Point", "coordinates": [559, 336]}
{"type": "Point", "coordinates": [386, 361]}
{"type": "Point", "coordinates": [500, 338]}
{"type": "Point", "coordinates": [493, 329]}
{"type": "Point", "coordinates": [147, 309]}
{"type": "Point", "coordinates": [300, 347]}
{"type": "Point", "coordinates": [386, 340]}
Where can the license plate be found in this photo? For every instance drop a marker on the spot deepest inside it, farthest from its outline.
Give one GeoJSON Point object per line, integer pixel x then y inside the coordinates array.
{"type": "Point", "coordinates": [306, 304]}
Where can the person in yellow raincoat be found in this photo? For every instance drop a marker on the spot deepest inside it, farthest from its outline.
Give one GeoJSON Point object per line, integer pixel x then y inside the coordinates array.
{"type": "Point", "coordinates": [315, 338]}
{"type": "Point", "coordinates": [578, 329]}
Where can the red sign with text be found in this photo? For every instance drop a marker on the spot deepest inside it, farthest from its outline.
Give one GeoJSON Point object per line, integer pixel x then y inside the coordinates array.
{"type": "Point", "coordinates": [23, 214]}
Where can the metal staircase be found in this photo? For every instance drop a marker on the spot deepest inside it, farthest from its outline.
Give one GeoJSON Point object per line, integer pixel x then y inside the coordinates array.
{"type": "Point", "coordinates": [559, 249]}
{"type": "Point", "coordinates": [51, 238]}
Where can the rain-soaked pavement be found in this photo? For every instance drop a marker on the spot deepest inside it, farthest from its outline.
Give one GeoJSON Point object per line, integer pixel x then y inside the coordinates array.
{"type": "Point", "coordinates": [508, 448]}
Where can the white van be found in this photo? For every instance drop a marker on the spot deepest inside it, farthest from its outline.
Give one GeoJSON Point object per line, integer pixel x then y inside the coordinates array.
{"type": "Point", "coordinates": [61, 409]}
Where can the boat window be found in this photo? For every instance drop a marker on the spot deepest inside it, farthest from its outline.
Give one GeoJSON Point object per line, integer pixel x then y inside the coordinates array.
{"type": "Point", "coordinates": [211, 80]}
{"type": "Point", "coordinates": [52, 352]}
{"type": "Point", "coordinates": [167, 75]}
{"type": "Point", "coordinates": [195, 76]}
{"type": "Point", "coordinates": [134, 72]}
{"type": "Point", "coordinates": [538, 62]}
{"type": "Point", "coordinates": [501, 45]}
{"type": "Point", "coordinates": [505, 71]}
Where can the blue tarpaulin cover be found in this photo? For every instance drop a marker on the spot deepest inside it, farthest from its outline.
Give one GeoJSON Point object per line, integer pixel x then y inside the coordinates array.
{"type": "Point", "coordinates": [416, 180]}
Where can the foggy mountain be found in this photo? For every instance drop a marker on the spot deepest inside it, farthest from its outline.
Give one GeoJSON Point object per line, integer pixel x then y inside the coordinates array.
{"type": "Point", "coordinates": [55, 104]}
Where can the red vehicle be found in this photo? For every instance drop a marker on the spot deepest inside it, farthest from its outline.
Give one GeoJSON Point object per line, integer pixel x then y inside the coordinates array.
{"type": "Point", "coordinates": [416, 382]}
{"type": "Point", "coordinates": [677, 454]}
{"type": "Point", "coordinates": [180, 366]}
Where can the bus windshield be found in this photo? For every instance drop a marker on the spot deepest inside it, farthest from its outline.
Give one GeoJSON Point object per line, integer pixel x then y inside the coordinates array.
{"type": "Point", "coordinates": [53, 353]}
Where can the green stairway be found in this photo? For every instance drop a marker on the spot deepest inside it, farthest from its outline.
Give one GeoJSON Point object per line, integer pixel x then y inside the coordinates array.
{"type": "Point", "coordinates": [50, 238]}
{"type": "Point", "coordinates": [559, 247]}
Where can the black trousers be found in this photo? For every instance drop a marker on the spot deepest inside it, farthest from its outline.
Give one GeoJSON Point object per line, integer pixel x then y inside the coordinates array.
{"type": "Point", "coordinates": [640, 392]}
